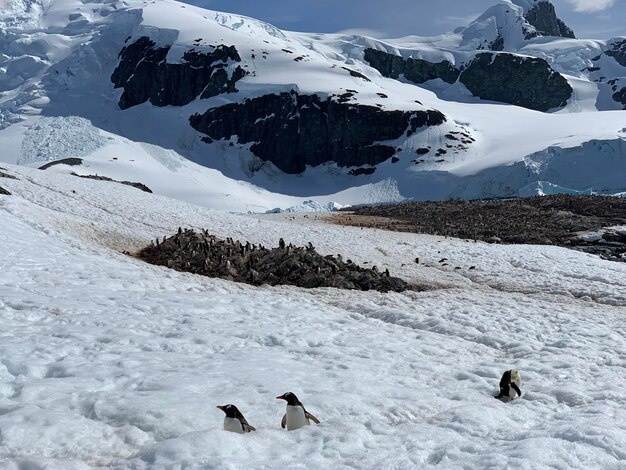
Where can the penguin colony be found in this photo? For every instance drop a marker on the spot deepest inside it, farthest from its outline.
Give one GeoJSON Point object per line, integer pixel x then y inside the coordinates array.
{"type": "Point", "coordinates": [201, 253]}
{"type": "Point", "coordinates": [542, 220]}
{"type": "Point", "coordinates": [296, 416]}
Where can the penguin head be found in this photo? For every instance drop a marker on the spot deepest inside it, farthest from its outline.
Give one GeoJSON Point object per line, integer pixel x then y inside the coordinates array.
{"type": "Point", "coordinates": [230, 410]}
{"type": "Point", "coordinates": [290, 398]}
{"type": "Point", "coordinates": [516, 376]}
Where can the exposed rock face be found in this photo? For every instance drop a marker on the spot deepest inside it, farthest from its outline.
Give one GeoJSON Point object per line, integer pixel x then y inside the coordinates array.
{"type": "Point", "coordinates": [6, 175]}
{"type": "Point", "coordinates": [145, 75]}
{"type": "Point", "coordinates": [204, 254]}
{"type": "Point", "coordinates": [140, 186]}
{"type": "Point", "coordinates": [72, 161]}
{"type": "Point", "coordinates": [543, 17]}
{"type": "Point", "coordinates": [293, 130]}
{"type": "Point", "coordinates": [522, 81]}
{"type": "Point", "coordinates": [416, 70]}
{"type": "Point", "coordinates": [497, 44]}
{"type": "Point", "coordinates": [618, 52]}
{"type": "Point", "coordinates": [4, 191]}
{"type": "Point", "coordinates": [620, 96]}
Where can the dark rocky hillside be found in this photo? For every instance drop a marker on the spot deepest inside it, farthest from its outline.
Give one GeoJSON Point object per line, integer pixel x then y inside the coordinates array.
{"type": "Point", "coordinates": [523, 81]}
{"type": "Point", "coordinates": [551, 220]}
{"type": "Point", "coordinates": [293, 131]}
{"type": "Point", "coordinates": [145, 74]}
{"type": "Point", "coordinates": [415, 70]}
{"type": "Point", "coordinates": [507, 78]}
{"type": "Point", "coordinates": [201, 253]}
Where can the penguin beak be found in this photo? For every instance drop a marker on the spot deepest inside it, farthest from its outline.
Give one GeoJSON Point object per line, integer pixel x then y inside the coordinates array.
{"type": "Point", "coordinates": [221, 408]}
{"type": "Point", "coordinates": [282, 397]}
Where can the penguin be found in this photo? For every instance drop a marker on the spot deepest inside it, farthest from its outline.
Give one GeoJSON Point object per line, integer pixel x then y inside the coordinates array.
{"type": "Point", "coordinates": [510, 384]}
{"type": "Point", "coordinates": [234, 420]}
{"type": "Point", "coordinates": [296, 416]}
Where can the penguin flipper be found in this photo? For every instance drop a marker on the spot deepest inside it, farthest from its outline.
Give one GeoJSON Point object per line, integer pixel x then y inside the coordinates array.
{"type": "Point", "coordinates": [516, 388]}
{"type": "Point", "coordinates": [283, 423]}
{"type": "Point", "coordinates": [248, 428]}
{"type": "Point", "coordinates": [311, 417]}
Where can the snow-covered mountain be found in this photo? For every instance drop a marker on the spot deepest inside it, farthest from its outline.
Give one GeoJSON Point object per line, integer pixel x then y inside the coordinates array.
{"type": "Point", "coordinates": [200, 105]}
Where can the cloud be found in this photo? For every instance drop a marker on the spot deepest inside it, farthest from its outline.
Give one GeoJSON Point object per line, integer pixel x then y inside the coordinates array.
{"type": "Point", "coordinates": [588, 6]}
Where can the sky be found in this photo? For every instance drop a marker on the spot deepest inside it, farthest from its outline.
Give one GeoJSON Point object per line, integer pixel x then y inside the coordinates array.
{"type": "Point", "coordinates": [592, 19]}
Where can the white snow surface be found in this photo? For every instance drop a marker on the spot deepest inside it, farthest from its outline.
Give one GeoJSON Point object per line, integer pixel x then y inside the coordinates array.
{"type": "Point", "coordinates": [107, 361]}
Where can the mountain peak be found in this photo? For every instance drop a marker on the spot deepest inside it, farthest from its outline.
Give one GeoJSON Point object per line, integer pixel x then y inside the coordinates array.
{"type": "Point", "coordinates": [510, 23]}
{"type": "Point", "coordinates": [542, 15]}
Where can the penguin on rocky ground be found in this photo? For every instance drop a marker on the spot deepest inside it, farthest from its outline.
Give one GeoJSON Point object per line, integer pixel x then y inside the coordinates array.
{"type": "Point", "coordinates": [510, 384]}
{"type": "Point", "coordinates": [234, 420]}
{"type": "Point", "coordinates": [296, 415]}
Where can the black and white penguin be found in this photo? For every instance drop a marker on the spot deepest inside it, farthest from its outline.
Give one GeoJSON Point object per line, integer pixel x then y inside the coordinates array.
{"type": "Point", "coordinates": [234, 420]}
{"type": "Point", "coordinates": [510, 384]}
{"type": "Point", "coordinates": [296, 415]}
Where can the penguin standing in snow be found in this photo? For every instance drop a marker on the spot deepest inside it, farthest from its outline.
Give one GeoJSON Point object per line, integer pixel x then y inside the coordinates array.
{"type": "Point", "coordinates": [510, 384]}
{"type": "Point", "coordinates": [296, 415]}
{"type": "Point", "coordinates": [234, 420]}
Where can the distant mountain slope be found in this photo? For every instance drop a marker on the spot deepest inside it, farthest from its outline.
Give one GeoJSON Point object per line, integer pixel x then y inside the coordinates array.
{"type": "Point", "coordinates": [335, 117]}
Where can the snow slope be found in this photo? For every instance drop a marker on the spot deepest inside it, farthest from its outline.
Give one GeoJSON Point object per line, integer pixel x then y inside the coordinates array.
{"type": "Point", "coordinates": [58, 57]}
{"type": "Point", "coordinates": [106, 361]}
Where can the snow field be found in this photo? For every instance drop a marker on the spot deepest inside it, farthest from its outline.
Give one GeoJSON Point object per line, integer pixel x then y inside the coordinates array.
{"type": "Point", "coordinates": [107, 361]}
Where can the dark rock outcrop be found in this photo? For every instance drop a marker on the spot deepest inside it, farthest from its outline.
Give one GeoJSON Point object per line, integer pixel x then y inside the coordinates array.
{"type": "Point", "coordinates": [293, 131]}
{"type": "Point", "coordinates": [6, 175]}
{"type": "Point", "coordinates": [204, 254]}
{"type": "Point", "coordinates": [618, 52]}
{"type": "Point", "coordinates": [416, 70]}
{"type": "Point", "coordinates": [620, 96]}
{"type": "Point", "coordinates": [145, 75]}
{"type": "Point", "coordinates": [140, 186]}
{"type": "Point", "coordinates": [66, 161]}
{"type": "Point", "coordinates": [543, 17]}
{"type": "Point", "coordinates": [4, 191]}
{"type": "Point", "coordinates": [522, 81]}
{"type": "Point", "coordinates": [497, 44]}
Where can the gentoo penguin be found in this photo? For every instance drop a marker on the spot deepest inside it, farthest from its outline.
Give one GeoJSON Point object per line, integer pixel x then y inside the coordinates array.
{"type": "Point", "coordinates": [510, 384]}
{"type": "Point", "coordinates": [234, 420]}
{"type": "Point", "coordinates": [296, 416]}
